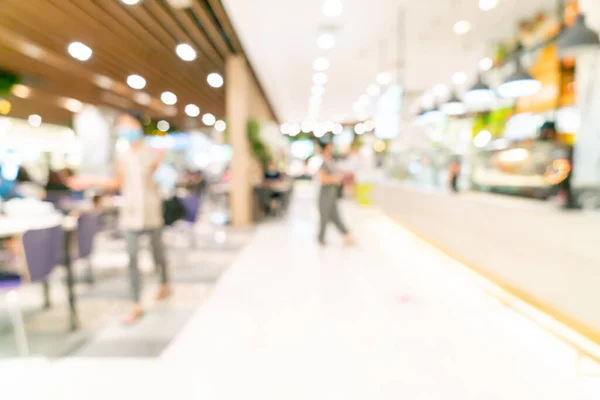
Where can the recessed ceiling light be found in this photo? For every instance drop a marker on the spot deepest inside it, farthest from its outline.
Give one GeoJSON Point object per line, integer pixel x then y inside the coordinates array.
{"type": "Point", "coordinates": [72, 105]}
{"type": "Point", "coordinates": [337, 129]}
{"type": "Point", "coordinates": [209, 119]}
{"type": "Point", "coordinates": [220, 126]}
{"type": "Point", "coordinates": [317, 90]}
{"type": "Point", "coordinates": [169, 98]}
{"type": "Point", "coordinates": [163, 126]}
{"type": "Point", "coordinates": [35, 120]}
{"type": "Point", "coordinates": [136, 81]}
{"type": "Point", "coordinates": [359, 129]}
{"type": "Point", "coordinates": [459, 78]}
{"type": "Point", "coordinates": [487, 5]}
{"type": "Point", "coordinates": [103, 82]}
{"type": "Point", "coordinates": [142, 98]}
{"type": "Point", "coordinates": [486, 64]}
{"type": "Point", "coordinates": [295, 129]}
{"type": "Point", "coordinates": [462, 27]}
{"type": "Point", "coordinates": [326, 41]}
{"type": "Point", "coordinates": [215, 80]}
{"type": "Point", "coordinates": [333, 8]}
{"type": "Point", "coordinates": [192, 110]}
{"type": "Point", "coordinates": [440, 90]}
{"type": "Point", "coordinates": [21, 91]}
{"type": "Point", "coordinates": [384, 78]}
{"type": "Point", "coordinates": [320, 78]}
{"type": "Point", "coordinates": [321, 64]}
{"type": "Point", "coordinates": [79, 51]}
{"type": "Point", "coordinates": [186, 52]}
{"type": "Point", "coordinates": [130, 2]}
{"type": "Point", "coordinates": [373, 90]}
{"type": "Point", "coordinates": [308, 126]}
{"type": "Point", "coordinates": [285, 128]}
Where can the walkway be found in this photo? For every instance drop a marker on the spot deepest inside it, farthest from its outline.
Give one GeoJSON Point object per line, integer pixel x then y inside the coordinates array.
{"type": "Point", "coordinates": [390, 319]}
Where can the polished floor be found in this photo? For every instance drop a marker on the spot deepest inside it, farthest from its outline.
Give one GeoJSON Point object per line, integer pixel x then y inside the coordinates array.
{"type": "Point", "coordinates": [392, 318]}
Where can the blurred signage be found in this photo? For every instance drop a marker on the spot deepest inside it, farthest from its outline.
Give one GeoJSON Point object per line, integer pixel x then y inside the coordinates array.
{"type": "Point", "coordinates": [387, 116]}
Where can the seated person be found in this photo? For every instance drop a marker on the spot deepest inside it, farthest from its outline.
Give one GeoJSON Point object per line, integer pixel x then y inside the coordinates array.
{"type": "Point", "coordinates": [272, 177]}
{"type": "Point", "coordinates": [272, 174]}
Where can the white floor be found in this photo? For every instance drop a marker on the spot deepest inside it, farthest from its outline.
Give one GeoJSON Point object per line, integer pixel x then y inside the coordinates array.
{"type": "Point", "coordinates": [390, 319]}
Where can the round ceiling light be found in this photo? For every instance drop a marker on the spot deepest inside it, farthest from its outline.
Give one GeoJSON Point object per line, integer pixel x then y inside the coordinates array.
{"type": "Point", "coordinates": [285, 128]}
{"type": "Point", "coordinates": [462, 27]}
{"type": "Point", "coordinates": [384, 78]}
{"type": "Point", "coordinates": [130, 2]}
{"type": "Point", "coordinates": [72, 105]}
{"type": "Point", "coordinates": [21, 91]}
{"type": "Point", "coordinates": [338, 129]}
{"type": "Point", "coordinates": [103, 82]}
{"type": "Point", "coordinates": [295, 129]}
{"type": "Point", "coordinates": [34, 120]}
{"type": "Point", "coordinates": [320, 78]}
{"type": "Point", "coordinates": [373, 90]}
{"type": "Point", "coordinates": [192, 110]}
{"type": "Point", "coordinates": [359, 129]}
{"type": "Point", "coordinates": [459, 78]}
{"type": "Point", "coordinates": [317, 90]}
{"type": "Point", "coordinates": [142, 98]}
{"type": "Point", "coordinates": [220, 126]}
{"type": "Point", "coordinates": [186, 52]}
{"type": "Point", "coordinates": [136, 82]}
{"type": "Point", "coordinates": [308, 126]}
{"type": "Point", "coordinates": [80, 51]}
{"type": "Point", "coordinates": [321, 64]}
{"type": "Point", "coordinates": [326, 41]}
{"type": "Point", "coordinates": [214, 80]}
{"type": "Point", "coordinates": [487, 5]}
{"type": "Point", "coordinates": [208, 119]}
{"type": "Point", "coordinates": [486, 63]}
{"type": "Point", "coordinates": [163, 126]}
{"type": "Point", "coordinates": [333, 8]}
{"type": "Point", "coordinates": [169, 98]}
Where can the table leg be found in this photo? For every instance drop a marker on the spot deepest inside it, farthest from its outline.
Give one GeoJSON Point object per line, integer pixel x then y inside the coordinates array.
{"type": "Point", "coordinates": [70, 282]}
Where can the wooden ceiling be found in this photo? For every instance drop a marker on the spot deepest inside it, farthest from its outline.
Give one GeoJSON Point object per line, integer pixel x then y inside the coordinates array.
{"type": "Point", "coordinates": [137, 39]}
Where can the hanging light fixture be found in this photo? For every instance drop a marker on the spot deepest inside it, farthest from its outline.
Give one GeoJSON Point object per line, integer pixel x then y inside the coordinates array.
{"type": "Point", "coordinates": [520, 83]}
{"type": "Point", "coordinates": [454, 106]}
{"type": "Point", "coordinates": [577, 39]}
{"type": "Point", "coordinates": [479, 93]}
{"type": "Point", "coordinates": [433, 114]}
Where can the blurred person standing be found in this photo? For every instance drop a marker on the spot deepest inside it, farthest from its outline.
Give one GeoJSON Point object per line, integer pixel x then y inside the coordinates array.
{"type": "Point", "coordinates": [142, 210]}
{"type": "Point", "coordinates": [331, 184]}
{"type": "Point", "coordinates": [548, 133]}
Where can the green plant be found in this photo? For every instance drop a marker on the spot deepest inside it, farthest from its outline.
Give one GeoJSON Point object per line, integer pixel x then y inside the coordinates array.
{"type": "Point", "coordinates": [7, 81]}
{"type": "Point", "coordinates": [258, 148]}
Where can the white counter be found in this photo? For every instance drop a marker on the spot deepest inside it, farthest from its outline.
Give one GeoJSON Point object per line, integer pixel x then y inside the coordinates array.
{"type": "Point", "coordinates": [549, 255]}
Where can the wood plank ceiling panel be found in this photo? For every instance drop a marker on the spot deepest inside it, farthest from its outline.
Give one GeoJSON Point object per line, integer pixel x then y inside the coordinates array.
{"type": "Point", "coordinates": [125, 40]}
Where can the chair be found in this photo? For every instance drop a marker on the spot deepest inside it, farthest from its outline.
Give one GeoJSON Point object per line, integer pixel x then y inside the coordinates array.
{"type": "Point", "coordinates": [191, 205]}
{"type": "Point", "coordinates": [42, 248]}
{"type": "Point", "coordinates": [88, 225]}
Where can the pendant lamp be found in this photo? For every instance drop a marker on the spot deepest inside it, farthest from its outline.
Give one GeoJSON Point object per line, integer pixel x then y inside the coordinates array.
{"type": "Point", "coordinates": [479, 94]}
{"type": "Point", "coordinates": [520, 83]}
{"type": "Point", "coordinates": [433, 114]}
{"type": "Point", "coordinates": [454, 106]}
{"type": "Point", "coordinates": [577, 39]}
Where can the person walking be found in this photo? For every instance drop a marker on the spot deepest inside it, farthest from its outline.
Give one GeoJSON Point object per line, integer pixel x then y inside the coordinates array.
{"type": "Point", "coordinates": [142, 210]}
{"type": "Point", "coordinates": [330, 191]}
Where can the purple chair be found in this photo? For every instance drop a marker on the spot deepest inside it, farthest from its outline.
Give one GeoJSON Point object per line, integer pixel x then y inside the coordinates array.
{"type": "Point", "coordinates": [42, 248]}
{"type": "Point", "coordinates": [88, 225]}
{"type": "Point", "coordinates": [191, 205]}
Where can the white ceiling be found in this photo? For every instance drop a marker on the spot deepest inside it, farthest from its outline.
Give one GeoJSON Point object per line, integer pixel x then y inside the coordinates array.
{"type": "Point", "coordinates": [411, 38]}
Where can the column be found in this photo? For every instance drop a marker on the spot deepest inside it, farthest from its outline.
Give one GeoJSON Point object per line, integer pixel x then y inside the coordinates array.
{"type": "Point", "coordinates": [586, 169]}
{"type": "Point", "coordinates": [237, 107]}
